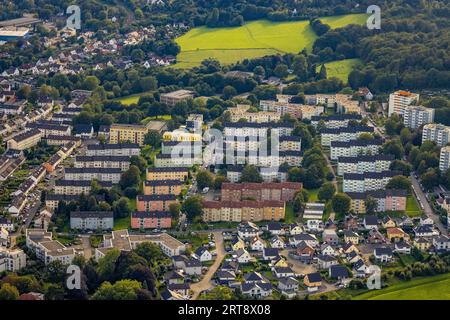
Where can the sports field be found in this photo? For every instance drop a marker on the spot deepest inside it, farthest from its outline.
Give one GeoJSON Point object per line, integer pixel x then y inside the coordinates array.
{"type": "Point", "coordinates": [429, 288]}
{"type": "Point", "coordinates": [254, 39]}
{"type": "Point", "coordinates": [340, 69]}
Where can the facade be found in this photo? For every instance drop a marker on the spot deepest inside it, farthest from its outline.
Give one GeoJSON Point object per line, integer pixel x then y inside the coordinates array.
{"type": "Point", "coordinates": [12, 260]}
{"type": "Point", "coordinates": [46, 249]}
{"type": "Point", "coordinates": [101, 174]}
{"type": "Point", "coordinates": [363, 164]}
{"type": "Point", "coordinates": [129, 133]}
{"type": "Point", "coordinates": [260, 191]}
{"type": "Point", "coordinates": [243, 129]}
{"type": "Point", "coordinates": [172, 98]}
{"type": "Point", "coordinates": [151, 220]}
{"type": "Point", "coordinates": [354, 148]}
{"type": "Point", "coordinates": [120, 149]}
{"type": "Point", "coordinates": [180, 174]}
{"type": "Point", "coordinates": [387, 200]}
{"type": "Point", "coordinates": [92, 220]}
{"type": "Point", "coordinates": [170, 161]}
{"type": "Point", "coordinates": [154, 187]}
{"type": "Point", "coordinates": [335, 121]}
{"type": "Point", "coordinates": [25, 140]}
{"type": "Point", "coordinates": [121, 162]}
{"type": "Point", "coordinates": [155, 202]}
{"type": "Point", "coordinates": [399, 100]}
{"type": "Point", "coordinates": [416, 116]}
{"type": "Point", "coordinates": [246, 210]}
{"type": "Point", "coordinates": [77, 187]}
{"type": "Point", "coordinates": [444, 159]}
{"type": "Point", "coordinates": [241, 112]}
{"type": "Point", "coordinates": [180, 135]}
{"type": "Point", "coordinates": [362, 182]}
{"type": "Point", "coordinates": [344, 134]}
{"type": "Point", "coordinates": [436, 132]}
{"type": "Point", "coordinates": [50, 128]}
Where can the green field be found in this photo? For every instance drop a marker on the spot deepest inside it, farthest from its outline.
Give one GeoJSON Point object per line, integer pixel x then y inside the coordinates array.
{"type": "Point", "coordinates": [134, 98]}
{"type": "Point", "coordinates": [340, 69]}
{"type": "Point", "coordinates": [429, 288]}
{"type": "Point", "coordinates": [253, 39]}
{"type": "Point", "coordinates": [412, 207]}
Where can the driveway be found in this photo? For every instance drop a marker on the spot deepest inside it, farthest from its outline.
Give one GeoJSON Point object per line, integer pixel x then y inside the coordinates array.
{"type": "Point", "coordinates": [205, 283]}
{"type": "Point", "coordinates": [426, 205]}
{"type": "Point", "coordinates": [297, 266]}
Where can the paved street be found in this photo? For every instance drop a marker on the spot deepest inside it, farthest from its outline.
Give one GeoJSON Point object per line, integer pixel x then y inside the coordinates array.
{"type": "Point", "coordinates": [426, 206]}
{"type": "Point", "coordinates": [205, 283]}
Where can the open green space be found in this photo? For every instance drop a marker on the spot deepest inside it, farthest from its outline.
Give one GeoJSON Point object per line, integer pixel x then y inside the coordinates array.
{"type": "Point", "coordinates": [429, 288]}
{"type": "Point", "coordinates": [312, 195]}
{"type": "Point", "coordinates": [122, 223]}
{"type": "Point", "coordinates": [340, 69]}
{"type": "Point", "coordinates": [254, 39]}
{"type": "Point", "coordinates": [128, 100]}
{"type": "Point", "coordinates": [412, 207]}
{"type": "Point", "coordinates": [290, 216]}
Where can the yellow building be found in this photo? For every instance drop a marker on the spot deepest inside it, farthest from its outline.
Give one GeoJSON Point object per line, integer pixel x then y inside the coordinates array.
{"type": "Point", "coordinates": [25, 140]}
{"type": "Point", "coordinates": [237, 244]}
{"type": "Point", "coordinates": [422, 244]}
{"type": "Point", "coordinates": [162, 187]}
{"type": "Point", "coordinates": [352, 237]}
{"type": "Point", "coordinates": [134, 133]}
{"type": "Point", "coordinates": [181, 136]}
{"type": "Point", "coordinates": [167, 174]}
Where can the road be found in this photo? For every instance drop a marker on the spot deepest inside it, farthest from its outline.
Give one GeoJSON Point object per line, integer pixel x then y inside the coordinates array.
{"type": "Point", "coordinates": [426, 205]}
{"type": "Point", "coordinates": [205, 283]}
{"type": "Point", "coordinates": [87, 248]}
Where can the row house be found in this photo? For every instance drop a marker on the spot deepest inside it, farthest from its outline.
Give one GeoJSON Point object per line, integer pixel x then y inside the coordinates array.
{"type": "Point", "coordinates": [167, 173]}
{"type": "Point", "coordinates": [354, 148]}
{"type": "Point", "coordinates": [363, 164]}
{"type": "Point", "coordinates": [362, 182]}
{"type": "Point", "coordinates": [50, 129]}
{"type": "Point", "coordinates": [25, 140]}
{"type": "Point", "coordinates": [387, 200]}
{"type": "Point", "coordinates": [13, 107]}
{"type": "Point", "coordinates": [121, 149]}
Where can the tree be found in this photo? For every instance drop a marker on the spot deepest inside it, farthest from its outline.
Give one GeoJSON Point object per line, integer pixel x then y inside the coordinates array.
{"type": "Point", "coordinates": [174, 209]}
{"type": "Point", "coordinates": [121, 290]}
{"type": "Point", "coordinates": [220, 293]}
{"type": "Point", "coordinates": [430, 179]}
{"type": "Point", "coordinates": [130, 178]}
{"type": "Point", "coordinates": [150, 252]}
{"type": "Point", "coordinates": [371, 205]}
{"type": "Point", "coordinates": [250, 173]}
{"type": "Point", "coordinates": [153, 138]}
{"type": "Point", "coordinates": [323, 72]}
{"type": "Point", "coordinates": [300, 200]}
{"type": "Point", "coordinates": [281, 70]}
{"type": "Point", "coordinates": [341, 203]}
{"type": "Point", "coordinates": [193, 207]}
{"type": "Point", "coordinates": [121, 208]}
{"type": "Point", "coordinates": [399, 182]}
{"type": "Point", "coordinates": [204, 179]}
{"type": "Point", "coordinates": [400, 165]}
{"type": "Point", "coordinates": [218, 181]}
{"type": "Point", "coordinates": [229, 92]}
{"type": "Point", "coordinates": [91, 83]}
{"type": "Point", "coordinates": [139, 162]}
{"type": "Point", "coordinates": [107, 264]}
{"type": "Point", "coordinates": [326, 191]}
{"type": "Point", "coordinates": [395, 148]}
{"type": "Point", "coordinates": [8, 292]}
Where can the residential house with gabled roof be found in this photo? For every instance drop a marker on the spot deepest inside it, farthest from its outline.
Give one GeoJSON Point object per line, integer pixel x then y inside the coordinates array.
{"type": "Point", "coordinates": [283, 272]}
{"type": "Point", "coordinates": [423, 244]}
{"type": "Point", "coordinates": [256, 289]}
{"type": "Point", "coordinates": [383, 254]}
{"type": "Point", "coordinates": [309, 239]}
{"type": "Point", "coordinates": [351, 236]}
{"type": "Point", "coordinates": [349, 247]}
{"type": "Point", "coordinates": [288, 286]}
{"type": "Point", "coordinates": [270, 254]}
{"type": "Point", "coordinates": [352, 257]}
{"type": "Point", "coordinates": [243, 257]}
{"type": "Point", "coordinates": [277, 242]}
{"type": "Point", "coordinates": [295, 229]}
{"type": "Point", "coordinates": [326, 261]}
{"type": "Point", "coordinates": [305, 252]}
{"type": "Point", "coordinates": [374, 236]}
{"type": "Point", "coordinates": [388, 222]}
{"type": "Point", "coordinates": [359, 269]}
{"type": "Point", "coordinates": [425, 231]}
{"type": "Point", "coordinates": [330, 236]}
{"type": "Point", "coordinates": [237, 243]}
{"type": "Point", "coordinates": [370, 222]}
{"type": "Point", "coordinates": [313, 281]}
{"type": "Point", "coordinates": [338, 272]}
{"type": "Point", "coordinates": [327, 249]}
{"type": "Point", "coordinates": [203, 255]}
{"type": "Point", "coordinates": [257, 244]}
{"type": "Point", "coordinates": [402, 247]}
{"type": "Point", "coordinates": [441, 243]}
{"type": "Point", "coordinates": [396, 235]}
{"type": "Point", "coordinates": [224, 278]}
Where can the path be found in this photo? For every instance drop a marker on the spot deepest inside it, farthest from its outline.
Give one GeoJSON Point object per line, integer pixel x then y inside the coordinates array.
{"type": "Point", "coordinates": [205, 283]}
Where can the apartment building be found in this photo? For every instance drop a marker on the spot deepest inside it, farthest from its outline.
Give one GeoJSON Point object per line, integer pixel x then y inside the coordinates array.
{"type": "Point", "coordinates": [436, 132]}
{"type": "Point", "coordinates": [172, 98]}
{"type": "Point", "coordinates": [344, 134]}
{"type": "Point", "coordinates": [354, 148]}
{"type": "Point", "coordinates": [194, 122]}
{"type": "Point", "coordinates": [362, 182]}
{"type": "Point", "coordinates": [290, 143]}
{"type": "Point", "coordinates": [52, 200]}
{"type": "Point", "coordinates": [180, 174]}
{"type": "Point", "coordinates": [181, 135]}
{"type": "Point", "coordinates": [234, 173]}
{"type": "Point", "coordinates": [181, 148]}
{"type": "Point", "coordinates": [247, 210]}
{"type": "Point", "coordinates": [155, 202]}
{"type": "Point", "coordinates": [46, 249]}
{"type": "Point", "coordinates": [92, 220]}
{"type": "Point", "coordinates": [25, 140]}
{"type": "Point", "coordinates": [50, 128]}
{"type": "Point", "coordinates": [363, 164]}
{"type": "Point", "coordinates": [241, 111]}
{"type": "Point", "coordinates": [154, 187]}
{"type": "Point", "coordinates": [416, 116]}
{"type": "Point", "coordinates": [260, 191]}
{"type": "Point", "coordinates": [52, 140]}
{"type": "Point", "coordinates": [12, 260]}
{"type": "Point", "coordinates": [12, 107]}
{"type": "Point", "coordinates": [122, 240]}
{"type": "Point", "coordinates": [128, 133]}
{"type": "Point", "coordinates": [444, 159]}
{"type": "Point", "coordinates": [387, 200]}
{"type": "Point", "coordinates": [335, 121]}
{"type": "Point", "coordinates": [283, 106]}
{"type": "Point", "coordinates": [120, 162]}
{"type": "Point", "coordinates": [401, 99]}
{"type": "Point", "coordinates": [170, 161]}
{"type": "Point", "coordinates": [121, 149]}
{"type": "Point", "coordinates": [101, 174]}
{"type": "Point", "coordinates": [77, 187]}
{"type": "Point", "coordinates": [151, 220]}
{"type": "Point", "coordinates": [243, 129]}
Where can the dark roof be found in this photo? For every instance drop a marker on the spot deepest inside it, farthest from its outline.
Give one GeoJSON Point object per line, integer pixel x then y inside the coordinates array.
{"type": "Point", "coordinates": [314, 277]}
{"type": "Point", "coordinates": [92, 214]}
{"type": "Point", "coordinates": [366, 158]}
{"type": "Point", "coordinates": [371, 175]}
{"type": "Point", "coordinates": [156, 197]}
{"type": "Point", "coordinates": [356, 143]}
{"type": "Point", "coordinates": [81, 183]}
{"type": "Point", "coordinates": [353, 129]}
{"type": "Point", "coordinates": [93, 170]}
{"type": "Point", "coordinates": [150, 214]}
{"type": "Point", "coordinates": [383, 251]}
{"type": "Point", "coordinates": [270, 252]}
{"type": "Point", "coordinates": [338, 271]}
{"type": "Point", "coordinates": [112, 146]}
{"type": "Point", "coordinates": [371, 220]}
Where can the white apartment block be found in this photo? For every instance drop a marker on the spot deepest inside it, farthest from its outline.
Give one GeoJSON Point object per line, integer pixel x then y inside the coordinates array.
{"type": "Point", "coordinates": [363, 164]}
{"type": "Point", "coordinates": [416, 116]}
{"type": "Point", "coordinates": [362, 182]}
{"type": "Point", "coordinates": [354, 148]}
{"type": "Point", "coordinates": [46, 249]}
{"type": "Point", "coordinates": [444, 159]}
{"type": "Point", "coordinates": [401, 99]}
{"type": "Point", "coordinates": [12, 260]}
{"type": "Point", "coordinates": [437, 133]}
{"type": "Point", "coordinates": [101, 174]}
{"type": "Point", "coordinates": [121, 162]}
{"type": "Point", "coordinates": [120, 149]}
{"type": "Point", "coordinates": [335, 121]}
{"type": "Point", "coordinates": [342, 134]}
{"type": "Point", "coordinates": [239, 129]}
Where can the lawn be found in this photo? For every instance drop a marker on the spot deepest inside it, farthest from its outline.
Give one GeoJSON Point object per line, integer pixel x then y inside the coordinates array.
{"type": "Point", "coordinates": [128, 100]}
{"type": "Point", "coordinates": [290, 214]}
{"type": "Point", "coordinates": [312, 195]}
{"type": "Point", "coordinates": [412, 207]}
{"type": "Point", "coordinates": [122, 223]}
{"type": "Point", "coordinates": [429, 288]}
{"type": "Point", "coordinates": [340, 69]}
{"type": "Point", "coordinates": [254, 39]}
